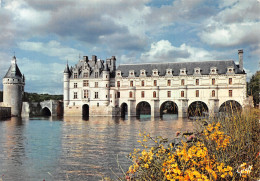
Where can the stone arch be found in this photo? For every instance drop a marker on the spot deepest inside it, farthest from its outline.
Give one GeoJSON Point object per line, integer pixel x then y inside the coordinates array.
{"type": "Point", "coordinates": [85, 110]}
{"type": "Point", "coordinates": [168, 107]}
{"type": "Point", "coordinates": [230, 106]}
{"type": "Point", "coordinates": [197, 109]}
{"type": "Point", "coordinates": [143, 108]}
{"type": "Point", "coordinates": [123, 109]}
{"type": "Point", "coordinates": [46, 111]}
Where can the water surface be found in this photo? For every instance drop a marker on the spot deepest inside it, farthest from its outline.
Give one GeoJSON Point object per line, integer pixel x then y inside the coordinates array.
{"type": "Point", "coordinates": [74, 149]}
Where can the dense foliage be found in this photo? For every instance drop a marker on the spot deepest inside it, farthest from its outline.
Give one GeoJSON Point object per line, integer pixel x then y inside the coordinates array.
{"type": "Point", "coordinates": [254, 86]}
{"type": "Point", "coordinates": [34, 97]}
{"type": "Point", "coordinates": [221, 149]}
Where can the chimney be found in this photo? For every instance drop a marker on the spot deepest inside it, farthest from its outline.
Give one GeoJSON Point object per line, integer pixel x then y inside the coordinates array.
{"type": "Point", "coordinates": [85, 58]}
{"type": "Point", "coordinates": [94, 58]}
{"type": "Point", "coordinates": [240, 56]}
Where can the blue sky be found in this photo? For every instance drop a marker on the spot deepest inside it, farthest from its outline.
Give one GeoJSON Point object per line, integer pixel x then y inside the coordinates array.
{"type": "Point", "coordinates": [46, 33]}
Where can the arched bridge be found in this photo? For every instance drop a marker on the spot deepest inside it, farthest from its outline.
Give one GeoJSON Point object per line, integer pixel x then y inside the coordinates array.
{"type": "Point", "coordinates": [44, 108]}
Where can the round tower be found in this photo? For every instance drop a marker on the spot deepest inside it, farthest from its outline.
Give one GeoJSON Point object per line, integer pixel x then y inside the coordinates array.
{"type": "Point", "coordinates": [66, 76]}
{"type": "Point", "coordinates": [13, 89]}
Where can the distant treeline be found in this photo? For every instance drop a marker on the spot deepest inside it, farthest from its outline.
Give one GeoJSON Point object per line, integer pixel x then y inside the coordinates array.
{"type": "Point", "coordinates": [34, 97]}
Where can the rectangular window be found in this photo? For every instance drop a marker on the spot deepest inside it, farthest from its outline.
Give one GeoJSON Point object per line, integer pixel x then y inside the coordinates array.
{"type": "Point", "coordinates": [131, 83]}
{"type": "Point", "coordinates": [154, 94]}
{"type": "Point", "coordinates": [197, 93]}
{"type": "Point", "coordinates": [96, 84]}
{"type": "Point", "coordinates": [182, 93]}
{"type": "Point", "coordinates": [118, 94]}
{"type": "Point", "coordinates": [142, 82]}
{"type": "Point", "coordinates": [130, 94]}
{"type": "Point", "coordinates": [155, 83]}
{"type": "Point", "coordinates": [142, 94]}
{"type": "Point", "coordinates": [85, 94]}
{"type": "Point", "coordinates": [75, 95]}
{"type": "Point", "coordinates": [96, 95]}
{"type": "Point", "coordinates": [169, 83]}
{"type": "Point", "coordinates": [213, 94]}
{"type": "Point", "coordinates": [230, 81]}
{"type": "Point", "coordinates": [182, 82]}
{"type": "Point", "coordinates": [96, 74]}
{"type": "Point", "coordinates": [85, 83]}
{"type": "Point", "coordinates": [169, 94]}
{"type": "Point", "coordinates": [75, 85]}
{"type": "Point", "coordinates": [230, 93]}
{"type": "Point", "coordinates": [213, 81]}
{"type": "Point", "coordinates": [75, 75]}
{"type": "Point", "coordinates": [197, 82]}
{"type": "Point", "coordinates": [118, 83]}
{"type": "Point", "coordinates": [85, 74]}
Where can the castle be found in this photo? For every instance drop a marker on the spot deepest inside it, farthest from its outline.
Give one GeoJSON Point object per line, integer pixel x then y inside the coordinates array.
{"type": "Point", "coordinates": [13, 89]}
{"type": "Point", "coordinates": [97, 88]}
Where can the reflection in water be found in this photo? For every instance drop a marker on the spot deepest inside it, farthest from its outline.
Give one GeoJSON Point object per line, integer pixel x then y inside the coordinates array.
{"type": "Point", "coordinates": [75, 149]}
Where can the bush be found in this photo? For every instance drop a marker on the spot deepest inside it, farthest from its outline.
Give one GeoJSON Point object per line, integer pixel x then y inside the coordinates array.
{"type": "Point", "coordinates": [221, 149]}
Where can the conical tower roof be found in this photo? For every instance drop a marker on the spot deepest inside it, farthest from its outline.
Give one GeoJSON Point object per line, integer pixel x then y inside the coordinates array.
{"type": "Point", "coordinates": [13, 71]}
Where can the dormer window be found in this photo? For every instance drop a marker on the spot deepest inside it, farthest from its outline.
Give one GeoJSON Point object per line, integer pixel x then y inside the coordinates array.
{"type": "Point", "coordinates": [197, 71]}
{"type": "Point", "coordinates": [131, 73]}
{"type": "Point", "coordinates": [230, 70]}
{"type": "Point", "coordinates": [213, 70]}
{"type": "Point", "coordinates": [85, 74]}
{"type": "Point", "coordinates": [142, 72]}
{"type": "Point", "coordinates": [155, 72]}
{"type": "Point", "coordinates": [75, 75]}
{"type": "Point", "coordinates": [168, 72]}
{"type": "Point", "coordinates": [183, 71]}
{"type": "Point", "coordinates": [118, 73]}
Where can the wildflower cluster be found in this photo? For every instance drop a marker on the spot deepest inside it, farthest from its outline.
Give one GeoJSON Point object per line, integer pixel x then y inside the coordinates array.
{"type": "Point", "coordinates": [213, 134]}
{"type": "Point", "coordinates": [194, 163]}
{"type": "Point", "coordinates": [214, 152]}
{"type": "Point", "coordinates": [244, 170]}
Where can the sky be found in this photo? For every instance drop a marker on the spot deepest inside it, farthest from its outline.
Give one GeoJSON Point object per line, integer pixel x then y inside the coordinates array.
{"type": "Point", "coordinates": [45, 34]}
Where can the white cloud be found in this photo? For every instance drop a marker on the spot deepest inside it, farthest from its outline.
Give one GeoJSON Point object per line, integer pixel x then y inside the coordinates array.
{"type": "Point", "coordinates": [52, 48]}
{"type": "Point", "coordinates": [42, 78]}
{"type": "Point", "coordinates": [163, 50]}
{"type": "Point", "coordinates": [237, 24]}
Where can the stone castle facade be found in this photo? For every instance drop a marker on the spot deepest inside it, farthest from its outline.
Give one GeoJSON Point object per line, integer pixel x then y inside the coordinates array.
{"type": "Point", "coordinates": [13, 89]}
{"type": "Point", "coordinates": [97, 88]}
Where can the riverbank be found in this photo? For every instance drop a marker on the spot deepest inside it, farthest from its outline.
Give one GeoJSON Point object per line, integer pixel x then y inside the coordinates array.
{"type": "Point", "coordinates": [221, 149]}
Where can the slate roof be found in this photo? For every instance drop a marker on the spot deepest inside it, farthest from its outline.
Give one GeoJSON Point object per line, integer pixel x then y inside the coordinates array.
{"type": "Point", "coordinates": [13, 72]}
{"type": "Point", "coordinates": [176, 66]}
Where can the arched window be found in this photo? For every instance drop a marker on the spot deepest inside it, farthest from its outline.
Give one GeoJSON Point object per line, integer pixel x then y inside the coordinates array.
{"type": "Point", "coordinates": [154, 93]}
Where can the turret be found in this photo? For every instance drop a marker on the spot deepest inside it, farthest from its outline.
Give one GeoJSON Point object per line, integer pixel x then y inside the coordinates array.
{"type": "Point", "coordinates": [66, 76]}
{"type": "Point", "coordinates": [240, 56]}
{"type": "Point", "coordinates": [13, 88]}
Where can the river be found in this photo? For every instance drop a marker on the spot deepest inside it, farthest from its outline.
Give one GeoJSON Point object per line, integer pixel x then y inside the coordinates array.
{"type": "Point", "coordinates": [74, 149]}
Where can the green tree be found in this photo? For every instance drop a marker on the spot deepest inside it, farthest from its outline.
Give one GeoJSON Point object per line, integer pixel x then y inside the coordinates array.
{"type": "Point", "coordinates": [253, 87]}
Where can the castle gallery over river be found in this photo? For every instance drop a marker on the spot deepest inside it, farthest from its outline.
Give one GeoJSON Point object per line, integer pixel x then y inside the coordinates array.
{"type": "Point", "coordinates": [94, 87]}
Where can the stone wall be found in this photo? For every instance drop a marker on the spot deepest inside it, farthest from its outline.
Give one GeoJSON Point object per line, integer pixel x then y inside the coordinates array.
{"type": "Point", "coordinates": [5, 112]}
